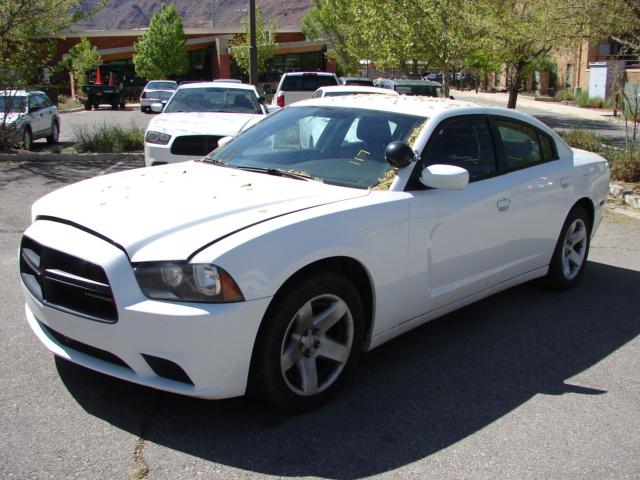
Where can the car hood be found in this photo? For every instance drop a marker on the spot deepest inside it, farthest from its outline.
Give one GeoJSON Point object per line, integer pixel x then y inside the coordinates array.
{"type": "Point", "coordinates": [11, 117]}
{"type": "Point", "coordinates": [169, 212]}
{"type": "Point", "coordinates": [200, 123]}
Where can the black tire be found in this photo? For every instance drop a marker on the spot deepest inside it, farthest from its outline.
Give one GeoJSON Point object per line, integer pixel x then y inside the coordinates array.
{"type": "Point", "coordinates": [291, 369]}
{"type": "Point", "coordinates": [572, 249]}
{"type": "Point", "coordinates": [144, 110]}
{"type": "Point", "coordinates": [27, 139]}
{"type": "Point", "coordinates": [123, 106]}
{"type": "Point", "coordinates": [87, 104]}
{"type": "Point", "coordinates": [96, 104]}
{"type": "Point", "coordinates": [55, 134]}
{"type": "Point", "coordinates": [114, 106]}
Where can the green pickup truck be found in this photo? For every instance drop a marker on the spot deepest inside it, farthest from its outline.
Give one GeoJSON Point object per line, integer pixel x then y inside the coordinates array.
{"type": "Point", "coordinates": [104, 87]}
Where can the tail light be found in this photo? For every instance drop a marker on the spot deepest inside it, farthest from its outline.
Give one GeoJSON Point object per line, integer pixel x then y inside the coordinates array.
{"type": "Point", "coordinates": [280, 100]}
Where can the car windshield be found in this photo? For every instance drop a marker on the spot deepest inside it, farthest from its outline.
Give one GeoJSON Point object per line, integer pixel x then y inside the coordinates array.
{"type": "Point", "coordinates": [420, 90]}
{"type": "Point", "coordinates": [161, 86]}
{"type": "Point", "coordinates": [12, 104]}
{"type": "Point", "coordinates": [214, 99]}
{"type": "Point", "coordinates": [339, 146]}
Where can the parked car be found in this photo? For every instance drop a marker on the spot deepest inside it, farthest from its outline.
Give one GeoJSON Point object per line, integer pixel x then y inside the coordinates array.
{"type": "Point", "coordinates": [274, 262]}
{"type": "Point", "coordinates": [196, 117]}
{"type": "Point", "coordinates": [156, 91]}
{"type": "Point", "coordinates": [297, 86]}
{"type": "Point", "coordinates": [412, 87]}
{"type": "Point", "coordinates": [340, 90]}
{"type": "Point", "coordinates": [28, 116]}
{"type": "Point", "coordinates": [359, 81]}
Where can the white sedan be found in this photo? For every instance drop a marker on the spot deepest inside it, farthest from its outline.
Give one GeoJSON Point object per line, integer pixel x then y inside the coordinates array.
{"type": "Point", "coordinates": [275, 261]}
{"type": "Point", "coordinates": [196, 117]}
{"type": "Point", "coordinates": [341, 90]}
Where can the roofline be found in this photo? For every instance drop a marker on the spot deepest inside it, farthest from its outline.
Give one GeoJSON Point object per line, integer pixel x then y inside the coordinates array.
{"type": "Point", "coordinates": [136, 32]}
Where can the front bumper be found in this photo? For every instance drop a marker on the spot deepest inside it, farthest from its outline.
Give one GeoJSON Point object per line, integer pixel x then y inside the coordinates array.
{"type": "Point", "coordinates": [211, 343]}
{"type": "Point", "coordinates": [156, 154]}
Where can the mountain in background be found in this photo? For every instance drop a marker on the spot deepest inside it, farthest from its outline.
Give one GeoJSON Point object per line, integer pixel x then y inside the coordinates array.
{"type": "Point", "coordinates": [130, 14]}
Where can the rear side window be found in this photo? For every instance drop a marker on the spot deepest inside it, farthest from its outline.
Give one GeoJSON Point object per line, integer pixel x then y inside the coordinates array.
{"type": "Point", "coordinates": [307, 83]}
{"type": "Point", "coordinates": [464, 142]}
{"type": "Point", "coordinates": [523, 145]}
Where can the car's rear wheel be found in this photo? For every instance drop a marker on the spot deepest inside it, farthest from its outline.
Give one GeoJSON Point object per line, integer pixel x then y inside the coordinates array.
{"type": "Point", "coordinates": [309, 342]}
{"type": "Point", "coordinates": [55, 134]}
{"type": "Point", "coordinates": [27, 139]}
{"type": "Point", "coordinates": [87, 104]}
{"type": "Point", "coordinates": [571, 252]}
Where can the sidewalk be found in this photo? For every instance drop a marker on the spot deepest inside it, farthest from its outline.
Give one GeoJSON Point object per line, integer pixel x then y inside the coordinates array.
{"type": "Point", "coordinates": [530, 102]}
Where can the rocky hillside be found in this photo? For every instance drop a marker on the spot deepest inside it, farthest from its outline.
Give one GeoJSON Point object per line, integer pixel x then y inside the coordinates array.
{"type": "Point", "coordinates": [128, 14]}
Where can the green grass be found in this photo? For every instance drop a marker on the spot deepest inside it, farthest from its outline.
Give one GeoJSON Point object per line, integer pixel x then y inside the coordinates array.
{"type": "Point", "coordinates": [109, 139]}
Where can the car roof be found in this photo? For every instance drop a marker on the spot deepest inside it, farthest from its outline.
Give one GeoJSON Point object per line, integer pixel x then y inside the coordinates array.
{"type": "Point", "coordinates": [415, 82]}
{"type": "Point", "coordinates": [404, 104]}
{"type": "Point", "coordinates": [357, 89]}
{"type": "Point", "coordinates": [234, 85]}
{"type": "Point", "coordinates": [295, 74]}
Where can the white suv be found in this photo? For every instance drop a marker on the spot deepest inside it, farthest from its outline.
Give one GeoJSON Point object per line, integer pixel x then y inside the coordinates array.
{"type": "Point", "coordinates": [299, 86]}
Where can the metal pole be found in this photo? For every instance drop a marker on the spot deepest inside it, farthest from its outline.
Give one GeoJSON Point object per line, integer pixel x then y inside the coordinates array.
{"type": "Point", "coordinates": [253, 51]}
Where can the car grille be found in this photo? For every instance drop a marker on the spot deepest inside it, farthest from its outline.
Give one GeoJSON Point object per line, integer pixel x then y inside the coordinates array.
{"type": "Point", "coordinates": [199, 145]}
{"type": "Point", "coordinates": [66, 282]}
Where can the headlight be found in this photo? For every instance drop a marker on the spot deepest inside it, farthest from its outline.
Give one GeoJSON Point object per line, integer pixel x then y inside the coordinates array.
{"type": "Point", "coordinates": [187, 282]}
{"type": "Point", "coordinates": [157, 137]}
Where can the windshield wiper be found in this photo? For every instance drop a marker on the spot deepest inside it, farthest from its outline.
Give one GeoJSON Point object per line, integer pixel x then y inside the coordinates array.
{"type": "Point", "coordinates": [215, 162]}
{"type": "Point", "coordinates": [276, 172]}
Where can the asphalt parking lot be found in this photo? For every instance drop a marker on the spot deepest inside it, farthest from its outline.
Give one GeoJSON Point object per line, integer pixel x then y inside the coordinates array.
{"type": "Point", "coordinates": [527, 384]}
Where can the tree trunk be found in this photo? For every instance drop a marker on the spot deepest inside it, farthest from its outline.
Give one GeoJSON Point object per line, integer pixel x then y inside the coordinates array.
{"type": "Point", "coordinates": [445, 82]}
{"type": "Point", "coordinates": [514, 88]}
{"type": "Point", "coordinates": [72, 87]}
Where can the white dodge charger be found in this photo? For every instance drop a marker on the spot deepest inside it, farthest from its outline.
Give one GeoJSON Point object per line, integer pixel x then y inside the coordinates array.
{"type": "Point", "coordinates": [327, 229]}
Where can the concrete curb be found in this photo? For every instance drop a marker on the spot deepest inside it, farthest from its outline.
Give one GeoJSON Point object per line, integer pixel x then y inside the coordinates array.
{"type": "Point", "coordinates": [73, 157]}
{"type": "Point", "coordinates": [624, 195]}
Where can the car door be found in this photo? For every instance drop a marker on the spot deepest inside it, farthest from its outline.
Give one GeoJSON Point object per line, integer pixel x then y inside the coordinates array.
{"type": "Point", "coordinates": [37, 115]}
{"type": "Point", "coordinates": [457, 236]}
{"type": "Point", "coordinates": [537, 196]}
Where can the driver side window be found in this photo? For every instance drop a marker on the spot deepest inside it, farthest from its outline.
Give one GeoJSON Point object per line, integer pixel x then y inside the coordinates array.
{"type": "Point", "coordinates": [463, 142]}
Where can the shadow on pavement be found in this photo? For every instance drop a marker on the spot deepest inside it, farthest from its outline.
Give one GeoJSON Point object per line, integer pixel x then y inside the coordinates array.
{"type": "Point", "coordinates": [64, 171]}
{"type": "Point", "coordinates": [410, 398]}
{"type": "Point", "coordinates": [613, 132]}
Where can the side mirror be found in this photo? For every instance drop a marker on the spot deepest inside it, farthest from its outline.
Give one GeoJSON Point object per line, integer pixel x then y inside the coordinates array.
{"type": "Point", "coordinates": [451, 97]}
{"type": "Point", "coordinates": [261, 100]}
{"type": "Point", "coordinates": [157, 107]}
{"type": "Point", "coordinates": [447, 177]}
{"type": "Point", "coordinates": [224, 140]}
{"type": "Point", "coordinates": [399, 154]}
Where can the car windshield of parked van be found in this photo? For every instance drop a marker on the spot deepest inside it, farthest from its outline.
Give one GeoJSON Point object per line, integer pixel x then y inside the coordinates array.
{"type": "Point", "coordinates": [338, 146]}
{"type": "Point", "coordinates": [12, 104]}
{"type": "Point", "coordinates": [213, 99]}
{"type": "Point", "coordinates": [161, 86]}
{"type": "Point", "coordinates": [420, 90]}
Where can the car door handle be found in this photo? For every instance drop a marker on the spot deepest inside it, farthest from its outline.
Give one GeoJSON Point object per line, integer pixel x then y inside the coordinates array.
{"type": "Point", "coordinates": [565, 182]}
{"type": "Point", "coordinates": [503, 204]}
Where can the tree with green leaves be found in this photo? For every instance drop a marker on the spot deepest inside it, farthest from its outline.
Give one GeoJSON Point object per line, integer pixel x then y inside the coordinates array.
{"type": "Point", "coordinates": [81, 58]}
{"type": "Point", "coordinates": [523, 33]}
{"type": "Point", "coordinates": [265, 43]}
{"type": "Point", "coordinates": [25, 27]}
{"type": "Point", "coordinates": [161, 51]}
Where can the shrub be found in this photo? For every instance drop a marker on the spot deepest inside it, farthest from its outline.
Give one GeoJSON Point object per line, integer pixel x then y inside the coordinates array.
{"type": "Point", "coordinates": [583, 100]}
{"type": "Point", "coordinates": [624, 164]}
{"type": "Point", "coordinates": [583, 139]}
{"type": "Point", "coordinates": [109, 139]}
{"type": "Point", "coordinates": [563, 96]}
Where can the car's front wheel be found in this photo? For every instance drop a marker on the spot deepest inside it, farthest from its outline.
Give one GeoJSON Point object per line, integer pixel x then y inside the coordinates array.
{"type": "Point", "coordinates": [570, 255]}
{"type": "Point", "coordinates": [27, 139]}
{"type": "Point", "coordinates": [309, 342]}
{"type": "Point", "coordinates": [55, 134]}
